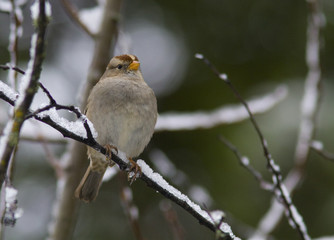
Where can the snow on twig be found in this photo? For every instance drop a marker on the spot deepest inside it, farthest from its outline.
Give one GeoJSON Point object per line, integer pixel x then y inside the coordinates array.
{"type": "Point", "coordinates": [318, 147]}
{"type": "Point", "coordinates": [281, 192]}
{"type": "Point", "coordinates": [28, 88]}
{"type": "Point", "coordinates": [310, 106]}
{"type": "Point", "coordinates": [244, 161]}
{"type": "Point", "coordinates": [222, 115]}
{"type": "Point", "coordinates": [152, 179]}
{"type": "Point", "coordinates": [156, 181]}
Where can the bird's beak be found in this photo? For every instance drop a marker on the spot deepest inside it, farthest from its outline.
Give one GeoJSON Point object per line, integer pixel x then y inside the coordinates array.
{"type": "Point", "coordinates": [134, 65]}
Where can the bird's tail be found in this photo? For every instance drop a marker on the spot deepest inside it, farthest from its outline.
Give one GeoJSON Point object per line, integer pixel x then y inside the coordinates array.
{"type": "Point", "coordinates": [89, 185]}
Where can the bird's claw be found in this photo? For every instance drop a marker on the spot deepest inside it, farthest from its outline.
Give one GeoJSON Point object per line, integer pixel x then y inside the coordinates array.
{"type": "Point", "coordinates": [109, 149]}
{"type": "Point", "coordinates": [134, 171]}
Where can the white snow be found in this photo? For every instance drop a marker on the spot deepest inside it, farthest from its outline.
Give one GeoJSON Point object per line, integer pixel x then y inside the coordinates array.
{"type": "Point", "coordinates": [157, 178]}
{"type": "Point", "coordinates": [8, 91]}
{"type": "Point", "coordinates": [5, 136]}
{"type": "Point", "coordinates": [11, 202]}
{"type": "Point", "coordinates": [35, 10]}
{"type": "Point", "coordinates": [11, 195]}
{"type": "Point", "coordinates": [223, 76]}
{"type": "Point", "coordinates": [286, 193]}
{"type": "Point", "coordinates": [164, 166]}
{"type": "Point", "coordinates": [122, 155]}
{"type": "Point", "coordinates": [245, 160]}
{"type": "Point", "coordinates": [274, 166]}
{"type": "Point", "coordinates": [199, 56]}
{"type": "Point", "coordinates": [217, 216]}
{"type": "Point", "coordinates": [162, 163]}
{"type": "Point", "coordinates": [299, 220]}
{"type": "Point", "coordinates": [27, 77]}
{"type": "Point", "coordinates": [223, 115]}
{"type": "Point", "coordinates": [76, 127]}
{"type": "Point", "coordinates": [5, 6]}
{"type": "Point", "coordinates": [318, 145]}
{"type": "Point", "coordinates": [325, 238]}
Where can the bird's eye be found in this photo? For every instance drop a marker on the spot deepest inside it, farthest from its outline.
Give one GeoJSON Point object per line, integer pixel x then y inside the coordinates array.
{"type": "Point", "coordinates": [119, 66]}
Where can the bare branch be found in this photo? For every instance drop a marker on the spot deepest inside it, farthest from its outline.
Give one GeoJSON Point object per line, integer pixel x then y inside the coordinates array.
{"type": "Point", "coordinates": [73, 14]}
{"type": "Point", "coordinates": [172, 220]}
{"type": "Point", "coordinates": [8, 67]}
{"type": "Point", "coordinates": [131, 211]}
{"type": "Point", "coordinates": [52, 159]}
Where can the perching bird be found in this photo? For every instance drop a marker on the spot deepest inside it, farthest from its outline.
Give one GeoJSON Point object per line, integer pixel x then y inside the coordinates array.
{"type": "Point", "coordinates": [123, 110]}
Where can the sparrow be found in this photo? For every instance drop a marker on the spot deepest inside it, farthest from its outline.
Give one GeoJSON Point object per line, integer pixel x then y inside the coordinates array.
{"type": "Point", "coordinates": [123, 110]}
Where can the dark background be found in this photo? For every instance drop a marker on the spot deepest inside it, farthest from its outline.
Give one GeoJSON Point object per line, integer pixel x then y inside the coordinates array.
{"type": "Point", "coordinates": [260, 44]}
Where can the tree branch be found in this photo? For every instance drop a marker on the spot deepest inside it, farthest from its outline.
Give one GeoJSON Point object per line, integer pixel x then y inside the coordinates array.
{"type": "Point", "coordinates": [244, 161]}
{"type": "Point", "coordinates": [151, 178]}
{"type": "Point", "coordinates": [318, 147]}
{"type": "Point", "coordinates": [281, 193]}
{"type": "Point", "coordinates": [16, 18]}
{"type": "Point", "coordinates": [309, 111]}
{"type": "Point", "coordinates": [72, 12]}
{"type": "Point", "coordinates": [12, 130]}
{"type": "Point", "coordinates": [64, 218]}
{"type": "Point", "coordinates": [222, 115]}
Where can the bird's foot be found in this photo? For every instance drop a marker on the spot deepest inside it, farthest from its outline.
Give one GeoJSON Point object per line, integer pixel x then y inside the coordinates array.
{"type": "Point", "coordinates": [109, 149]}
{"type": "Point", "coordinates": [135, 171]}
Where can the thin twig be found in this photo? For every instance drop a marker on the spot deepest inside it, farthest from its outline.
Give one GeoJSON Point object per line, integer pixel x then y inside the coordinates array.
{"type": "Point", "coordinates": [52, 159]}
{"type": "Point", "coordinates": [73, 13]}
{"type": "Point", "coordinates": [152, 179]}
{"type": "Point", "coordinates": [282, 194]}
{"type": "Point", "coordinates": [318, 147]}
{"type": "Point", "coordinates": [244, 161]}
{"type": "Point", "coordinates": [38, 138]}
{"type": "Point", "coordinates": [26, 98]}
{"type": "Point", "coordinates": [309, 107]}
{"type": "Point", "coordinates": [16, 18]}
{"type": "Point", "coordinates": [17, 69]}
{"type": "Point", "coordinates": [131, 211]}
{"type": "Point", "coordinates": [172, 220]}
{"type": "Point", "coordinates": [75, 160]}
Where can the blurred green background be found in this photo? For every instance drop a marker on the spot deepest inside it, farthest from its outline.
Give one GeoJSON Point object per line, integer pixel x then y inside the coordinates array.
{"type": "Point", "coordinates": [260, 44]}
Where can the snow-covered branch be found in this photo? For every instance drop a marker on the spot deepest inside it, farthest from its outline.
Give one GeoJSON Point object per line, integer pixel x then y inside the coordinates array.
{"type": "Point", "coordinates": [74, 160]}
{"type": "Point", "coordinates": [82, 131]}
{"type": "Point", "coordinates": [16, 30]}
{"type": "Point", "coordinates": [318, 147]}
{"type": "Point", "coordinates": [196, 120]}
{"type": "Point", "coordinates": [222, 115]}
{"type": "Point", "coordinates": [245, 162]}
{"type": "Point", "coordinates": [280, 191]}
{"type": "Point", "coordinates": [28, 88]}
{"type": "Point", "coordinates": [310, 106]}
